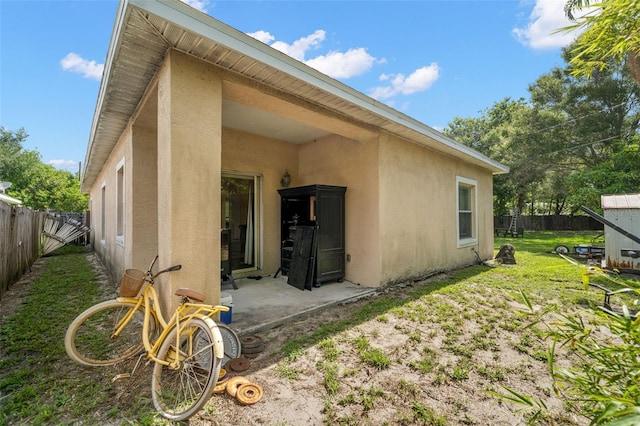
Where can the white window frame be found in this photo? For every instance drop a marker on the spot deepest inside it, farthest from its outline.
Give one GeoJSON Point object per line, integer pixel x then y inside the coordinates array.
{"type": "Point", "coordinates": [473, 186]}
{"type": "Point", "coordinates": [103, 214]}
{"type": "Point", "coordinates": [120, 203]}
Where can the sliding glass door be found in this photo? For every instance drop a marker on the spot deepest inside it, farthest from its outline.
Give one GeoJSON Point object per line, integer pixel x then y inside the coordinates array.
{"type": "Point", "coordinates": [240, 222]}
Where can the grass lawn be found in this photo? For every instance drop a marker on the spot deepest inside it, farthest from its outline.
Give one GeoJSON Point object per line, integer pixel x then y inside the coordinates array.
{"type": "Point", "coordinates": [38, 384]}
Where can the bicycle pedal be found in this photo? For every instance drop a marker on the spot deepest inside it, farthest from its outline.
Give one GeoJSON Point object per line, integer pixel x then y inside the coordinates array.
{"type": "Point", "coordinates": [121, 377]}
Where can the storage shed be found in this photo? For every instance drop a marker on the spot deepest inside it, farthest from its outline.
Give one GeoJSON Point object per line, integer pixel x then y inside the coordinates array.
{"type": "Point", "coordinates": [624, 211]}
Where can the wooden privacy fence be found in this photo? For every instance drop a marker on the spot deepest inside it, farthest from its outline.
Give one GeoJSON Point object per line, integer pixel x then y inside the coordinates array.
{"type": "Point", "coordinates": [20, 229]}
{"type": "Point", "coordinates": [551, 223]}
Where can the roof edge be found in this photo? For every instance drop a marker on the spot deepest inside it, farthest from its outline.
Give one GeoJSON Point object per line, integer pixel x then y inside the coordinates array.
{"type": "Point", "coordinates": [209, 27]}
{"type": "Point", "coordinates": [114, 45]}
{"type": "Point", "coordinates": [206, 26]}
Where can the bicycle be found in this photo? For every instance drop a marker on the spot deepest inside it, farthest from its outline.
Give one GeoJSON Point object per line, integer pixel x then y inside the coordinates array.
{"type": "Point", "coordinates": [187, 350]}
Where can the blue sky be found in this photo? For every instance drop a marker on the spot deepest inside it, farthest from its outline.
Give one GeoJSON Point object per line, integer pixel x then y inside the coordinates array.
{"type": "Point", "coordinates": [432, 60]}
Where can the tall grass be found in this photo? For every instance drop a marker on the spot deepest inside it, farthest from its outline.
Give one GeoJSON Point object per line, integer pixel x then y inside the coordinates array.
{"type": "Point", "coordinates": [602, 383]}
{"type": "Point", "coordinates": [39, 385]}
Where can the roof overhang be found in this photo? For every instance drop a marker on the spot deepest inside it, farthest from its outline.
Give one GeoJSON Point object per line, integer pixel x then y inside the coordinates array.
{"type": "Point", "coordinates": [145, 31]}
{"type": "Point", "coordinates": [9, 200]}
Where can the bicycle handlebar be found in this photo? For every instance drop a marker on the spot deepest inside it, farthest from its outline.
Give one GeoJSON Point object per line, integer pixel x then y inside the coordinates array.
{"type": "Point", "coordinates": [153, 262]}
{"type": "Point", "coordinates": [169, 269]}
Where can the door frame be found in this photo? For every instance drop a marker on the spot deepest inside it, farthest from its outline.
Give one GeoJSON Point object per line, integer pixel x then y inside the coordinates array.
{"type": "Point", "coordinates": [258, 225]}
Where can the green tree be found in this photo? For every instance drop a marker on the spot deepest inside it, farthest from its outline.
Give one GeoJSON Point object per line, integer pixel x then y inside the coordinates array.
{"type": "Point", "coordinates": [598, 119]}
{"type": "Point", "coordinates": [596, 113]}
{"type": "Point", "coordinates": [618, 175]}
{"type": "Point", "coordinates": [489, 134]}
{"type": "Point", "coordinates": [611, 31]}
{"type": "Point", "coordinates": [14, 161]}
{"type": "Point", "coordinates": [571, 142]}
{"type": "Point", "coordinates": [39, 186]}
{"type": "Point", "coordinates": [509, 132]}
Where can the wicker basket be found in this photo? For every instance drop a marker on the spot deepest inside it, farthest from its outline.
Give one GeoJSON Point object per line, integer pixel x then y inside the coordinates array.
{"type": "Point", "coordinates": [131, 282]}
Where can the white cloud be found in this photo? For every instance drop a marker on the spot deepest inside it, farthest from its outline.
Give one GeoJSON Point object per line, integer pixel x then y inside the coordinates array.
{"type": "Point", "coordinates": [343, 65]}
{"type": "Point", "coordinates": [355, 61]}
{"type": "Point", "coordinates": [75, 63]}
{"type": "Point", "coordinates": [201, 5]}
{"type": "Point", "coordinates": [546, 18]}
{"type": "Point", "coordinates": [262, 36]}
{"type": "Point", "coordinates": [418, 81]}
{"type": "Point", "coordinates": [69, 165]}
{"type": "Point", "coordinates": [299, 48]}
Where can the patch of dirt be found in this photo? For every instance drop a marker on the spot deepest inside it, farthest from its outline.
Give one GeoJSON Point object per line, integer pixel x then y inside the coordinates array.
{"type": "Point", "coordinates": [452, 391]}
{"type": "Point", "coordinates": [443, 355]}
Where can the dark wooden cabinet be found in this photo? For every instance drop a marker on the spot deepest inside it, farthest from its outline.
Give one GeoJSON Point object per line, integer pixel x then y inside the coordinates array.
{"type": "Point", "coordinates": [312, 230]}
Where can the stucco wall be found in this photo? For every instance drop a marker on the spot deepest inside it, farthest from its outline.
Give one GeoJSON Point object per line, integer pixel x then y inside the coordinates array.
{"type": "Point", "coordinates": [418, 215]}
{"type": "Point", "coordinates": [137, 152]}
{"type": "Point", "coordinates": [189, 158]}
{"type": "Point", "coordinates": [247, 153]}
{"type": "Point", "coordinates": [141, 244]}
{"type": "Point", "coordinates": [336, 160]}
{"type": "Point", "coordinates": [110, 252]}
{"type": "Point", "coordinates": [400, 200]}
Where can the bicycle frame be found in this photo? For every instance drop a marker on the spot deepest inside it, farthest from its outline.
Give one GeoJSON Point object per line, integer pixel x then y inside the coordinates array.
{"type": "Point", "coordinates": [186, 351]}
{"type": "Point", "coordinates": [185, 312]}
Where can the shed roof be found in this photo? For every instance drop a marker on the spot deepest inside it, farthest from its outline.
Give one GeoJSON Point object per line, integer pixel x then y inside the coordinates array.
{"type": "Point", "coordinates": [144, 31]}
{"type": "Point", "coordinates": [624, 201]}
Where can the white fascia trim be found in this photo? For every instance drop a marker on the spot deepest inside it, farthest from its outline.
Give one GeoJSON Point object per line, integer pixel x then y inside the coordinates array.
{"type": "Point", "coordinates": [114, 46]}
{"type": "Point", "coordinates": [208, 27]}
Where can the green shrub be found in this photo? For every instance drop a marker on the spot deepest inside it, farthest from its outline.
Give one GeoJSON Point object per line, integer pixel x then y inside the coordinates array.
{"type": "Point", "coordinates": [602, 381]}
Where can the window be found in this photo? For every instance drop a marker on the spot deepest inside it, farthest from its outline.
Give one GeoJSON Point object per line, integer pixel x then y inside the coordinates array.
{"type": "Point", "coordinates": [466, 211]}
{"type": "Point", "coordinates": [120, 203]}
{"type": "Point", "coordinates": [103, 210]}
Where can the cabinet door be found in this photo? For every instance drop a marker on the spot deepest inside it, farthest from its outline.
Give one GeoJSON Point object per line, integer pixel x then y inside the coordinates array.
{"type": "Point", "coordinates": [301, 258]}
{"type": "Point", "coordinates": [330, 245]}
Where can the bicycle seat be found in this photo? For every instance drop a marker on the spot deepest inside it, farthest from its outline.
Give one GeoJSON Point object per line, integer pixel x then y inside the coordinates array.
{"type": "Point", "coordinates": [191, 294]}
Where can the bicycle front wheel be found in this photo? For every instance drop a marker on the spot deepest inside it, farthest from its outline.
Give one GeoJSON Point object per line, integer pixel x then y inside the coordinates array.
{"type": "Point", "coordinates": [90, 338]}
{"type": "Point", "coordinates": [181, 390]}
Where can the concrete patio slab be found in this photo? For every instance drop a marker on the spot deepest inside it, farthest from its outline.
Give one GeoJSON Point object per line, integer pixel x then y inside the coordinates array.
{"type": "Point", "coordinates": [270, 302]}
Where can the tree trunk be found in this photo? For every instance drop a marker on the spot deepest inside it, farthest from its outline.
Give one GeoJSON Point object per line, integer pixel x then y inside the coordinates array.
{"type": "Point", "coordinates": [633, 58]}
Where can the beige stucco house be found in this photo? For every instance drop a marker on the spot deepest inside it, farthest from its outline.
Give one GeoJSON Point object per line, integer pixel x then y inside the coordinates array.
{"type": "Point", "coordinates": [195, 125]}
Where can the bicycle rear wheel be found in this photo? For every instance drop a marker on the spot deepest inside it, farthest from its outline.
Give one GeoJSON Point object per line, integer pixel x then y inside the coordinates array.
{"type": "Point", "coordinates": [179, 393]}
{"type": "Point", "coordinates": [90, 341]}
